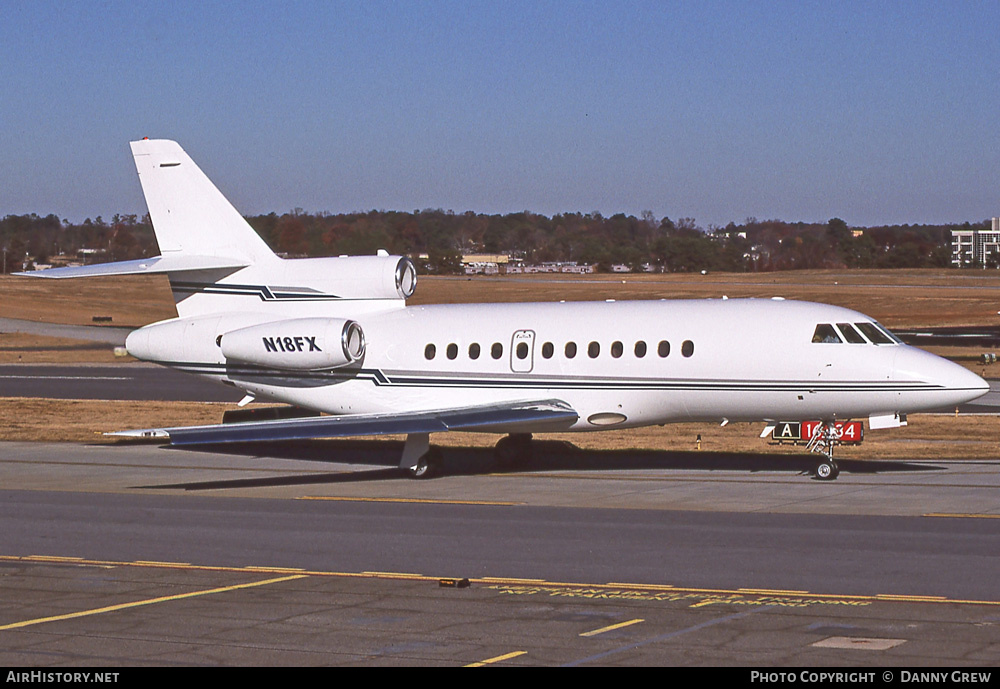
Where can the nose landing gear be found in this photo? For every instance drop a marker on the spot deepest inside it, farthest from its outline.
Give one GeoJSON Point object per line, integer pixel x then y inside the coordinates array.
{"type": "Point", "coordinates": [826, 469]}
{"type": "Point", "coordinates": [824, 439]}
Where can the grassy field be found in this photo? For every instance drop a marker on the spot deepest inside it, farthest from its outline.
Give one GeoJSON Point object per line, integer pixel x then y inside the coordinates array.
{"type": "Point", "coordinates": [926, 437]}
{"type": "Point", "coordinates": [902, 298]}
{"type": "Point", "coordinates": [897, 298]}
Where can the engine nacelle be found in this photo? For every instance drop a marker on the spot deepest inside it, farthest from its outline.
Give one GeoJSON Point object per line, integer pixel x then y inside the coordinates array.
{"type": "Point", "coordinates": [349, 277]}
{"type": "Point", "coordinates": [298, 344]}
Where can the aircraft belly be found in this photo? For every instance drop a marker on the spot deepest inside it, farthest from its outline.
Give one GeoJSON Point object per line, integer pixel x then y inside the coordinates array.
{"type": "Point", "coordinates": [599, 407]}
{"type": "Point", "coordinates": [379, 392]}
{"type": "Point", "coordinates": [803, 403]}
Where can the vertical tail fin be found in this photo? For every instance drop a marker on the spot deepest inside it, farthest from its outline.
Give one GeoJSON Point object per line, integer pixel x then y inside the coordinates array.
{"type": "Point", "coordinates": [217, 263]}
{"type": "Point", "coordinates": [189, 214]}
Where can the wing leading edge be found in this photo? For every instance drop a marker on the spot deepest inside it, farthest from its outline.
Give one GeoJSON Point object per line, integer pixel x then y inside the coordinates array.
{"type": "Point", "coordinates": [142, 266]}
{"type": "Point", "coordinates": [490, 418]}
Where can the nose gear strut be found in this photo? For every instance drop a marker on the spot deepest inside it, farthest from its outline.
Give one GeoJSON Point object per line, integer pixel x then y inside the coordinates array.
{"type": "Point", "coordinates": [824, 439]}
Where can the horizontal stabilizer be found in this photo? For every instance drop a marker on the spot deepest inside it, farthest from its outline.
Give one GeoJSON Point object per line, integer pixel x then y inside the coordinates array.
{"type": "Point", "coordinates": [495, 418]}
{"type": "Point", "coordinates": [142, 266]}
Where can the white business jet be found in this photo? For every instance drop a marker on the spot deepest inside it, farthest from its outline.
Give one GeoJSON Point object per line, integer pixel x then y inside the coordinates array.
{"type": "Point", "coordinates": [334, 335]}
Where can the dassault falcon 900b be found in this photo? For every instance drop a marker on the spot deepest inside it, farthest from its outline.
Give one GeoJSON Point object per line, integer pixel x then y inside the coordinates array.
{"type": "Point", "coordinates": [334, 335]}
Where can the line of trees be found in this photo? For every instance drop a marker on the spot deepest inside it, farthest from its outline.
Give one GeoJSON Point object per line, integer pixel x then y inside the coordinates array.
{"type": "Point", "coordinates": [665, 244]}
{"type": "Point", "coordinates": [443, 237]}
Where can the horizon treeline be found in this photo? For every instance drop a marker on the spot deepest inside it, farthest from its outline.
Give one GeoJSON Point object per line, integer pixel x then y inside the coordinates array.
{"type": "Point", "coordinates": [585, 238]}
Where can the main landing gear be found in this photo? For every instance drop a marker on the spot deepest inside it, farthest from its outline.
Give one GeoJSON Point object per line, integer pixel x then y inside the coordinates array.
{"type": "Point", "coordinates": [420, 460]}
{"type": "Point", "coordinates": [823, 441]}
{"type": "Point", "coordinates": [513, 451]}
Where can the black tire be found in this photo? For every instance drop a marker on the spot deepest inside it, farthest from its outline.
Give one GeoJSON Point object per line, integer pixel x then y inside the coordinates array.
{"type": "Point", "coordinates": [513, 451]}
{"type": "Point", "coordinates": [428, 466]}
{"type": "Point", "coordinates": [827, 470]}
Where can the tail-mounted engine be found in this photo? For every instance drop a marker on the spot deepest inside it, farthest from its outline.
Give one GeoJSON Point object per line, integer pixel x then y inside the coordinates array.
{"type": "Point", "coordinates": [298, 344]}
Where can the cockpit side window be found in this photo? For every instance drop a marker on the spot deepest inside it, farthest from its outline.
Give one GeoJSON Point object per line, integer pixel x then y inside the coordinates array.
{"type": "Point", "coordinates": [873, 333]}
{"type": "Point", "coordinates": [888, 333]}
{"type": "Point", "coordinates": [850, 334]}
{"type": "Point", "coordinates": [826, 334]}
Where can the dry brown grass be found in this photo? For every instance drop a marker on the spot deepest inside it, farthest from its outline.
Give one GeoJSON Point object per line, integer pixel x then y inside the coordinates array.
{"type": "Point", "coordinates": [82, 421]}
{"type": "Point", "coordinates": [903, 298]}
{"type": "Point", "coordinates": [927, 437]}
{"type": "Point", "coordinates": [130, 302]}
{"type": "Point", "coordinates": [26, 348]}
{"type": "Point", "coordinates": [908, 298]}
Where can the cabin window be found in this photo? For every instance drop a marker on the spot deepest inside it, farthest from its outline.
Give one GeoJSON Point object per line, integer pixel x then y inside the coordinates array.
{"type": "Point", "coordinates": [616, 349]}
{"type": "Point", "coordinates": [522, 350]}
{"type": "Point", "coordinates": [452, 351]}
{"type": "Point", "coordinates": [663, 349]}
{"type": "Point", "coordinates": [873, 333]}
{"type": "Point", "coordinates": [640, 349]}
{"type": "Point", "coordinates": [429, 352]}
{"type": "Point", "coordinates": [474, 350]}
{"type": "Point", "coordinates": [825, 333]}
{"type": "Point", "coordinates": [687, 348]}
{"type": "Point", "coordinates": [570, 350]}
{"type": "Point", "coordinates": [496, 351]}
{"type": "Point", "coordinates": [593, 350]}
{"type": "Point", "coordinates": [850, 334]}
{"type": "Point", "coordinates": [548, 350]}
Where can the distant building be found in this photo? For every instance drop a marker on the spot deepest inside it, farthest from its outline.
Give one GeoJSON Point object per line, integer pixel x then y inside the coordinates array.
{"type": "Point", "coordinates": [558, 267]}
{"type": "Point", "coordinates": [485, 264]}
{"type": "Point", "coordinates": [976, 247]}
{"type": "Point", "coordinates": [90, 255]}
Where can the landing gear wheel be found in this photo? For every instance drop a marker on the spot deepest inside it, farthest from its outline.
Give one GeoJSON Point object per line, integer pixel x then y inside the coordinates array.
{"type": "Point", "coordinates": [428, 465]}
{"type": "Point", "coordinates": [513, 450]}
{"type": "Point", "coordinates": [827, 470]}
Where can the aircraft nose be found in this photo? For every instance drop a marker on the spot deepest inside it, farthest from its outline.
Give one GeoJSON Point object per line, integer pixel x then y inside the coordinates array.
{"type": "Point", "coordinates": [137, 344]}
{"type": "Point", "coordinates": [951, 384]}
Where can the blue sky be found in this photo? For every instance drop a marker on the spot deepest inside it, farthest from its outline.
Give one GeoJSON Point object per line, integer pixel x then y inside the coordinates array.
{"type": "Point", "coordinates": [875, 112]}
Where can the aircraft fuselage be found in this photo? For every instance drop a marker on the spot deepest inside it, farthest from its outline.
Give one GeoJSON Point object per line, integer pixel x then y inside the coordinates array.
{"type": "Point", "coordinates": [618, 364]}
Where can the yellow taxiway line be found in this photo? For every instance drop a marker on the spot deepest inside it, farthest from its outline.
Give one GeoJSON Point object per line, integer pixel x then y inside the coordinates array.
{"type": "Point", "coordinates": [148, 601]}
{"type": "Point", "coordinates": [613, 627]}
{"type": "Point", "coordinates": [497, 659]}
{"type": "Point", "coordinates": [527, 586]}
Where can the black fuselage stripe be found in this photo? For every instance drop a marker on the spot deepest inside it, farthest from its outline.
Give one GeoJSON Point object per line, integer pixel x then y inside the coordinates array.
{"type": "Point", "coordinates": [379, 378]}
{"type": "Point", "coordinates": [263, 292]}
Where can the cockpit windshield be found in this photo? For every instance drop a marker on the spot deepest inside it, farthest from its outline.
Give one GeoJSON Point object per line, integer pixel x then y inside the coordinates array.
{"type": "Point", "coordinates": [854, 333]}
{"type": "Point", "coordinates": [850, 334]}
{"type": "Point", "coordinates": [874, 333]}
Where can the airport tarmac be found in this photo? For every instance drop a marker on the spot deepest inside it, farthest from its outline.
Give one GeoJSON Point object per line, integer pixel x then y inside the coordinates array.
{"type": "Point", "coordinates": [144, 555]}
{"type": "Point", "coordinates": [322, 553]}
{"type": "Point", "coordinates": [125, 381]}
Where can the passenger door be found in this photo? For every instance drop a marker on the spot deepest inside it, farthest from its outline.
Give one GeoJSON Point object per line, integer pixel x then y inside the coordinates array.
{"type": "Point", "coordinates": [522, 351]}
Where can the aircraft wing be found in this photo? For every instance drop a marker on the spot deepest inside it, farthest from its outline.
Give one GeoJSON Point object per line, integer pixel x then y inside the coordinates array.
{"type": "Point", "coordinates": [500, 418]}
{"type": "Point", "coordinates": [142, 266]}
